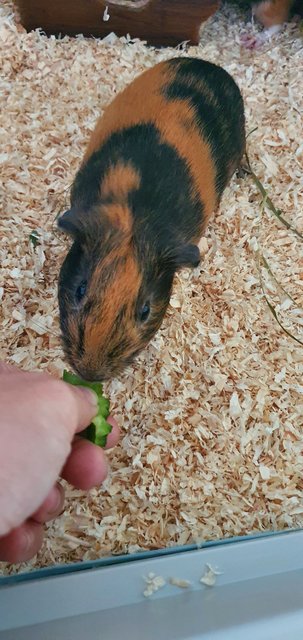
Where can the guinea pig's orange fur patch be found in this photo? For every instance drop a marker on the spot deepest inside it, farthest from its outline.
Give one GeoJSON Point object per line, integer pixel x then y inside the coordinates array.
{"type": "Point", "coordinates": [73, 331]}
{"type": "Point", "coordinates": [119, 216]}
{"type": "Point", "coordinates": [121, 292]}
{"type": "Point", "coordinates": [119, 181]}
{"type": "Point", "coordinates": [175, 120]}
{"type": "Point", "coordinates": [179, 130]}
{"type": "Point", "coordinates": [272, 12]}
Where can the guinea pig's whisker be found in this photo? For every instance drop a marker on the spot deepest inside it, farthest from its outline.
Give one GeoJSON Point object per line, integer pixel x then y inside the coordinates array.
{"type": "Point", "coordinates": [46, 329]}
{"type": "Point", "coordinates": [64, 205]}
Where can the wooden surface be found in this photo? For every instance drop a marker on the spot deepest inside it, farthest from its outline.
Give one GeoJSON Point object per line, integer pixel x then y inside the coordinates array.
{"type": "Point", "coordinates": [160, 22]}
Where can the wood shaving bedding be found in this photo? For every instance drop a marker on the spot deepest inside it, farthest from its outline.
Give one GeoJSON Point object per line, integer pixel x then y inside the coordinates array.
{"type": "Point", "coordinates": [153, 584]}
{"type": "Point", "coordinates": [209, 577]}
{"type": "Point", "coordinates": [180, 582]}
{"type": "Point", "coordinates": [211, 414]}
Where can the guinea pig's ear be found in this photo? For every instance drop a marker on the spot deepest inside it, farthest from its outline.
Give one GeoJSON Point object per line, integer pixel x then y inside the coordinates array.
{"type": "Point", "coordinates": [72, 223]}
{"type": "Point", "coordinates": [186, 255]}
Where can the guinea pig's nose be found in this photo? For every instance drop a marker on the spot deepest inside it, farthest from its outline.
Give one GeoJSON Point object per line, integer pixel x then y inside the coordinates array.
{"type": "Point", "coordinates": [88, 374]}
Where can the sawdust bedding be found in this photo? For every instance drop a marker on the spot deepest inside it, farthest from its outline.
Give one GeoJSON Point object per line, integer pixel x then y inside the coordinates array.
{"type": "Point", "coordinates": [211, 414]}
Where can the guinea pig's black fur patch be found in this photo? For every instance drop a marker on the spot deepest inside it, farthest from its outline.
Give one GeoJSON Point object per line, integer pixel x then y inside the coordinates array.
{"type": "Point", "coordinates": [164, 207]}
{"type": "Point", "coordinates": [218, 105]}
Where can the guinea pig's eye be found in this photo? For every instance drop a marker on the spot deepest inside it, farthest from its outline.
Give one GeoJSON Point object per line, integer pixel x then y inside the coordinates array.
{"type": "Point", "coordinates": [144, 312]}
{"type": "Point", "coordinates": [80, 291]}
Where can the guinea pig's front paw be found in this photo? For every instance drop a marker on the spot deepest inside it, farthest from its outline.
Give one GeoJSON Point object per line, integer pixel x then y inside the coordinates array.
{"type": "Point", "coordinates": [253, 41]}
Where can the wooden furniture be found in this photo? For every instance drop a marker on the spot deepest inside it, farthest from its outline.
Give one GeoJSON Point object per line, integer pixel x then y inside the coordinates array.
{"type": "Point", "coordinates": [160, 22]}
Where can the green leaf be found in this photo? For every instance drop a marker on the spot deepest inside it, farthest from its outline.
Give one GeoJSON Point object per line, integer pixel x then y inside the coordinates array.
{"type": "Point", "coordinates": [269, 304]}
{"type": "Point", "coordinates": [102, 429]}
{"type": "Point", "coordinates": [269, 204]}
{"type": "Point", "coordinates": [278, 284]}
{"type": "Point", "coordinates": [78, 382]}
{"type": "Point", "coordinates": [99, 428]}
{"type": "Point", "coordinates": [274, 313]}
{"type": "Point", "coordinates": [34, 238]}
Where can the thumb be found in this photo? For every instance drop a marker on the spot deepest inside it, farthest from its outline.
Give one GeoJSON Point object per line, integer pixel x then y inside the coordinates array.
{"type": "Point", "coordinates": [7, 369]}
{"type": "Point", "coordinates": [85, 407]}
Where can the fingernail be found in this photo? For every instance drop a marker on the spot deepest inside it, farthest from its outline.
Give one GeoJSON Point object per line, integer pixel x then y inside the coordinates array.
{"type": "Point", "coordinates": [27, 540]}
{"type": "Point", "coordinates": [91, 396]}
{"type": "Point", "coordinates": [56, 500]}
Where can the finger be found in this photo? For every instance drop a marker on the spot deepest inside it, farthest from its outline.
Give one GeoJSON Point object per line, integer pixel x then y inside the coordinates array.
{"type": "Point", "coordinates": [52, 506]}
{"type": "Point", "coordinates": [114, 435]}
{"type": "Point", "coordinates": [86, 466]}
{"type": "Point", "coordinates": [22, 543]}
{"type": "Point", "coordinates": [9, 368]}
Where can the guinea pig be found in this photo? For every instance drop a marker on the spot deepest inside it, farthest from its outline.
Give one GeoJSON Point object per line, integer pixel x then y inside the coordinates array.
{"type": "Point", "coordinates": [270, 13]}
{"type": "Point", "coordinates": [153, 173]}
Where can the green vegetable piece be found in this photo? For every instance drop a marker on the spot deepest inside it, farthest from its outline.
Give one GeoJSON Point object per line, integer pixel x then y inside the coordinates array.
{"type": "Point", "coordinates": [34, 238]}
{"type": "Point", "coordinates": [99, 428]}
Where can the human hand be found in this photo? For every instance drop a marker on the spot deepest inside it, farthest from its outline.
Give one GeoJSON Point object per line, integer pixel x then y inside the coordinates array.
{"type": "Point", "coordinates": [38, 421]}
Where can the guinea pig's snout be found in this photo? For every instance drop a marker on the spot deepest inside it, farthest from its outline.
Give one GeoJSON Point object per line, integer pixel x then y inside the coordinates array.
{"type": "Point", "coordinates": [99, 370]}
{"type": "Point", "coordinates": [103, 369]}
{"type": "Point", "coordinates": [89, 374]}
